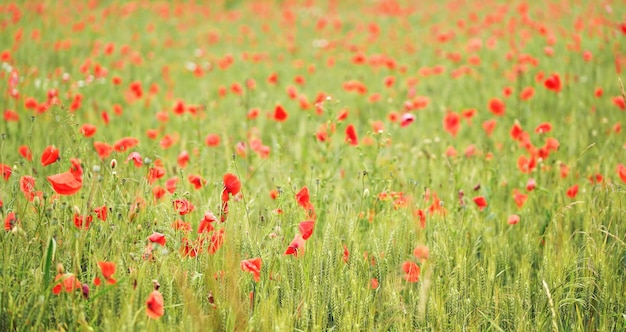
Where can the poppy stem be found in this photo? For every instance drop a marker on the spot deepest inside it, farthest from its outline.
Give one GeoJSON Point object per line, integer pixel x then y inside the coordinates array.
{"type": "Point", "coordinates": [242, 193]}
{"type": "Point", "coordinates": [252, 295]}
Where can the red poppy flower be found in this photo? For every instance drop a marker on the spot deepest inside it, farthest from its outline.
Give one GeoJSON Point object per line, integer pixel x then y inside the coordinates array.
{"type": "Point", "coordinates": [70, 182]}
{"type": "Point", "coordinates": [496, 106]}
{"type": "Point", "coordinates": [158, 192]}
{"type": "Point", "coordinates": [572, 191]}
{"type": "Point", "coordinates": [11, 116]}
{"type": "Point", "coordinates": [543, 128]}
{"type": "Point", "coordinates": [296, 247]}
{"type": "Point", "coordinates": [421, 252]}
{"type": "Point", "coordinates": [519, 198]}
{"type": "Point", "coordinates": [481, 202]}
{"type": "Point", "coordinates": [513, 219]}
{"type": "Point", "coordinates": [526, 165]}
{"type": "Point", "coordinates": [351, 136]}
{"type": "Point", "coordinates": [125, 143]}
{"type": "Point", "coordinates": [564, 171]}
{"type": "Point", "coordinates": [621, 171]}
{"type": "Point", "coordinates": [10, 221]}
{"type": "Point", "coordinates": [489, 126]}
{"type": "Point", "coordinates": [101, 212]}
{"type": "Point", "coordinates": [273, 194]}
{"type": "Point", "coordinates": [136, 158]}
{"type": "Point", "coordinates": [206, 224]}
{"type": "Point", "coordinates": [170, 185]}
{"type": "Point", "coordinates": [232, 186]}
{"type": "Point", "coordinates": [253, 266]}
{"type": "Point", "coordinates": [620, 102]}
{"type": "Point", "coordinates": [6, 171]}
{"type": "Point", "coordinates": [303, 198]}
{"type": "Point", "coordinates": [27, 186]}
{"type": "Point", "coordinates": [306, 229]}
{"type": "Point", "coordinates": [280, 114]}
{"type": "Point", "coordinates": [346, 254]}
{"type": "Point", "coordinates": [154, 305]}
{"type": "Point", "coordinates": [552, 144]}
{"type": "Point", "coordinates": [157, 238]}
{"type": "Point", "coordinates": [553, 83]}
{"type": "Point", "coordinates": [65, 283]}
{"type": "Point", "coordinates": [155, 173]}
{"type": "Point", "coordinates": [107, 269]}
{"type": "Point", "coordinates": [451, 152]}
{"type": "Point", "coordinates": [88, 130]}
{"type": "Point", "coordinates": [407, 119]}
{"type": "Point", "coordinates": [342, 115]}
{"type": "Point", "coordinates": [517, 133]}
{"type": "Point", "coordinates": [25, 152]}
{"type": "Point", "coordinates": [253, 114]}
{"type": "Point", "coordinates": [452, 123]}
{"type": "Point", "coordinates": [527, 93]}
{"type": "Point", "coordinates": [82, 221]}
{"type": "Point", "coordinates": [598, 92]}
{"type": "Point", "coordinates": [272, 79]}
{"type": "Point", "coordinates": [188, 249]}
{"type": "Point", "coordinates": [49, 156]}
{"type": "Point", "coordinates": [374, 283]}
{"type": "Point", "coordinates": [411, 271]}
{"type": "Point", "coordinates": [103, 149]}
{"type": "Point", "coordinates": [531, 184]}
{"type": "Point", "coordinates": [183, 159]}
{"type": "Point", "coordinates": [196, 180]}
{"type": "Point", "coordinates": [217, 239]}
{"type": "Point", "coordinates": [180, 225]}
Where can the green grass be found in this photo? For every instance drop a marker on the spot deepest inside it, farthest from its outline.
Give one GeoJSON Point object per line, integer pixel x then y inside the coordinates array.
{"type": "Point", "coordinates": [561, 267]}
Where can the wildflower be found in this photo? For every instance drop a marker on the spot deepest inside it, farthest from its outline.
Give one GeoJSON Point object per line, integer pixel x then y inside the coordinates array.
{"type": "Point", "coordinates": [306, 229]}
{"type": "Point", "coordinates": [513, 219]}
{"type": "Point", "coordinates": [88, 130]}
{"type": "Point", "coordinates": [206, 224]}
{"type": "Point", "coordinates": [107, 269]}
{"type": "Point", "coordinates": [65, 282]}
{"type": "Point", "coordinates": [10, 221]}
{"type": "Point", "coordinates": [411, 271]}
{"type": "Point", "coordinates": [253, 266]}
{"type": "Point", "coordinates": [232, 186]}
{"type": "Point", "coordinates": [572, 191]}
{"type": "Point", "coordinates": [296, 247]}
{"type": "Point", "coordinates": [217, 239]}
{"type": "Point", "coordinates": [374, 283]}
{"type": "Point", "coordinates": [183, 206]}
{"type": "Point", "coordinates": [280, 114]}
{"type": "Point", "coordinates": [496, 106]}
{"type": "Point", "coordinates": [351, 136]}
{"type": "Point", "coordinates": [154, 303]}
{"type": "Point", "coordinates": [70, 182]}
{"type": "Point", "coordinates": [49, 156]}
{"type": "Point", "coordinates": [421, 252]}
{"type": "Point", "coordinates": [25, 152]}
{"type": "Point", "coordinates": [101, 212]}
{"type": "Point", "coordinates": [481, 202]}
{"type": "Point", "coordinates": [157, 238]}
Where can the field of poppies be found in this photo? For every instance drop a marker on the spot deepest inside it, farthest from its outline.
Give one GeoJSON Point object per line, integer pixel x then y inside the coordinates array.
{"type": "Point", "coordinates": [313, 165]}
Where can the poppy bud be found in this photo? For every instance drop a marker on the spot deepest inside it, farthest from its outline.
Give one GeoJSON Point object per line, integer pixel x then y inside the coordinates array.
{"type": "Point", "coordinates": [85, 290]}
{"type": "Point", "coordinates": [113, 163]}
